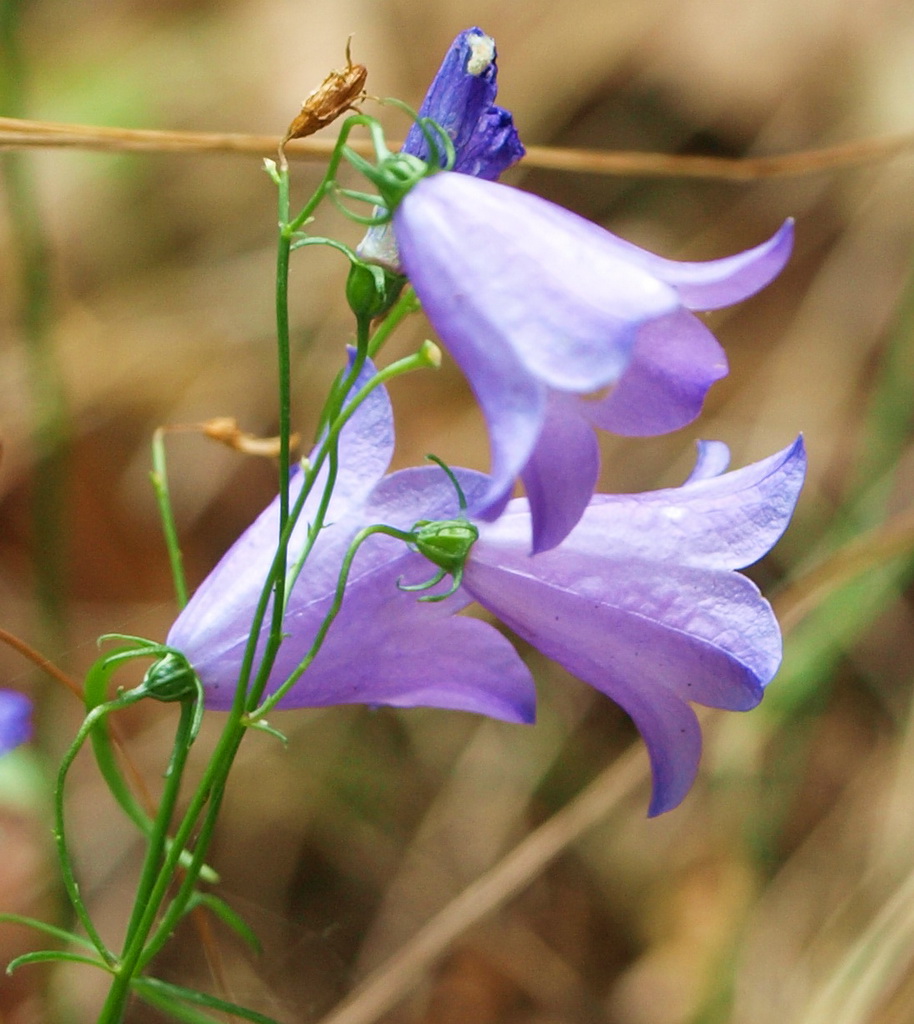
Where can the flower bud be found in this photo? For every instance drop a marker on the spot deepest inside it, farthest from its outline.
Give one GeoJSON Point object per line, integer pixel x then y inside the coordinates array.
{"type": "Point", "coordinates": [171, 678]}
{"type": "Point", "coordinates": [371, 290]}
{"type": "Point", "coordinates": [446, 542]}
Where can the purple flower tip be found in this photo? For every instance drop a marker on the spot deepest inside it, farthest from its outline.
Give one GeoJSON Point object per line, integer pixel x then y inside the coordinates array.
{"type": "Point", "coordinates": [461, 99]}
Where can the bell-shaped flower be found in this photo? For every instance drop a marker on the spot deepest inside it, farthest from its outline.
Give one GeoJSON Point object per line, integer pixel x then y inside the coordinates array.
{"type": "Point", "coordinates": [560, 326]}
{"type": "Point", "coordinates": [385, 647]}
{"type": "Point", "coordinates": [461, 99]}
{"type": "Point", "coordinates": [642, 600]}
{"type": "Point", "coordinates": [15, 719]}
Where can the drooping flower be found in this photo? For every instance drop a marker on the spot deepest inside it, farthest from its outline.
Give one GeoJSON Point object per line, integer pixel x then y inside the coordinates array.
{"type": "Point", "coordinates": [642, 600]}
{"type": "Point", "coordinates": [15, 719]}
{"type": "Point", "coordinates": [543, 310]}
{"type": "Point", "coordinates": [461, 99]}
{"type": "Point", "coordinates": [385, 648]}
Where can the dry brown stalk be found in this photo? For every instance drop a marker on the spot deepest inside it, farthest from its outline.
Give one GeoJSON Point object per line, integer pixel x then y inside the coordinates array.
{"type": "Point", "coordinates": [16, 133]}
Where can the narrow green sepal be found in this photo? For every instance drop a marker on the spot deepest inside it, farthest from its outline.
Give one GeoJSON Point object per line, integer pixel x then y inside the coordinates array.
{"type": "Point", "coordinates": [394, 176]}
{"type": "Point", "coordinates": [263, 726]}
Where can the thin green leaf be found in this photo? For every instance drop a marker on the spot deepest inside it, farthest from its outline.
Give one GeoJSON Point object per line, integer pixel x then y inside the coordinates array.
{"type": "Point", "coordinates": [48, 929]}
{"type": "Point", "coordinates": [156, 987]}
{"type": "Point", "coordinates": [177, 1010]}
{"type": "Point", "coordinates": [227, 916]}
{"type": "Point", "coordinates": [42, 956]}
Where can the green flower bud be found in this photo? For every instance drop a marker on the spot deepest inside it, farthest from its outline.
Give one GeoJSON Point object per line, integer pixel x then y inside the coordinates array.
{"type": "Point", "coordinates": [371, 290]}
{"type": "Point", "coordinates": [171, 678]}
{"type": "Point", "coordinates": [446, 542]}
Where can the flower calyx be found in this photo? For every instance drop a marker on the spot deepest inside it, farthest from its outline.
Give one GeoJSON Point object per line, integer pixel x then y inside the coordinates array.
{"type": "Point", "coordinates": [447, 544]}
{"type": "Point", "coordinates": [396, 175]}
{"type": "Point", "coordinates": [371, 289]}
{"type": "Point", "coordinates": [171, 678]}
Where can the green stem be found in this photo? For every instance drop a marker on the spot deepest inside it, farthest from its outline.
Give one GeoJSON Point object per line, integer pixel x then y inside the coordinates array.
{"type": "Point", "coordinates": [332, 613]}
{"type": "Point", "coordinates": [212, 782]}
{"type": "Point", "coordinates": [406, 304]}
{"type": "Point", "coordinates": [149, 926]}
{"type": "Point", "coordinates": [159, 478]}
{"type": "Point", "coordinates": [158, 836]}
{"type": "Point", "coordinates": [60, 834]}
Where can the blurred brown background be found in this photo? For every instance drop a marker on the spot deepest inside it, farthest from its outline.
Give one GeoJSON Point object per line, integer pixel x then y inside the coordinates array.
{"type": "Point", "coordinates": [780, 890]}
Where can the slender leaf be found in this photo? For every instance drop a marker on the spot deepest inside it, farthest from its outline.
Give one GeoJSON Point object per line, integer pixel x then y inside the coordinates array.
{"type": "Point", "coordinates": [227, 916]}
{"type": "Point", "coordinates": [153, 987]}
{"type": "Point", "coordinates": [42, 956]}
{"type": "Point", "coordinates": [48, 929]}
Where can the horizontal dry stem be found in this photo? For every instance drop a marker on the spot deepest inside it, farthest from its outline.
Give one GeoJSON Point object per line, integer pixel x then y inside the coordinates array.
{"type": "Point", "coordinates": [17, 133]}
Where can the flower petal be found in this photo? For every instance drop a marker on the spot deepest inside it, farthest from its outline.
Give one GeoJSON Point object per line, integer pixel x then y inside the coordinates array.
{"type": "Point", "coordinates": [672, 736]}
{"type": "Point", "coordinates": [220, 613]}
{"type": "Point", "coordinates": [496, 266]}
{"type": "Point", "coordinates": [723, 522]}
{"type": "Point", "coordinates": [407, 655]}
{"type": "Point", "coordinates": [707, 635]}
{"type": "Point", "coordinates": [461, 99]}
{"type": "Point", "coordinates": [650, 636]}
{"type": "Point", "coordinates": [561, 474]}
{"type": "Point", "coordinates": [712, 460]}
{"type": "Point", "coordinates": [674, 362]}
{"type": "Point", "coordinates": [514, 406]}
{"type": "Point", "coordinates": [715, 283]}
{"type": "Point", "coordinates": [15, 719]}
{"type": "Point", "coordinates": [366, 443]}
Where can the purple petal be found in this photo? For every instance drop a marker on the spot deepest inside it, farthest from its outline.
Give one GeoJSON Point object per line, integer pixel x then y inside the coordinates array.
{"type": "Point", "coordinates": [725, 522]}
{"type": "Point", "coordinates": [674, 362]}
{"type": "Point", "coordinates": [649, 636]}
{"type": "Point", "coordinates": [366, 443]}
{"type": "Point", "coordinates": [707, 635]}
{"type": "Point", "coordinates": [561, 474]}
{"type": "Point", "coordinates": [514, 406]}
{"type": "Point", "coordinates": [673, 738]}
{"type": "Point", "coordinates": [496, 266]}
{"type": "Point", "coordinates": [387, 649]}
{"type": "Point", "coordinates": [716, 283]}
{"type": "Point", "coordinates": [220, 612]}
{"type": "Point", "coordinates": [712, 460]}
{"type": "Point", "coordinates": [461, 99]}
{"type": "Point", "coordinates": [385, 646]}
{"type": "Point", "coordinates": [15, 719]}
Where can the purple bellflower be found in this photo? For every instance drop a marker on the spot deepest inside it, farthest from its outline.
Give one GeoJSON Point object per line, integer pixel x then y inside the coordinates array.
{"type": "Point", "coordinates": [541, 308]}
{"type": "Point", "coordinates": [461, 99]}
{"type": "Point", "coordinates": [559, 326]}
{"type": "Point", "coordinates": [15, 719]}
{"type": "Point", "coordinates": [641, 600]}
